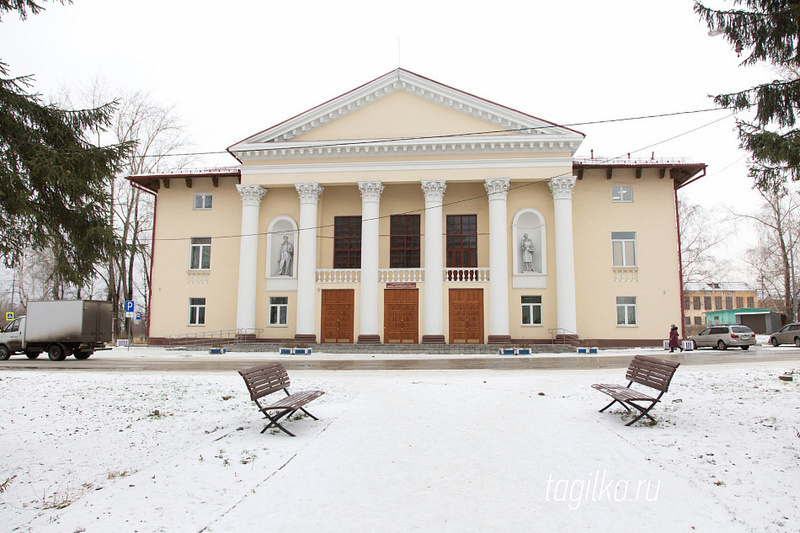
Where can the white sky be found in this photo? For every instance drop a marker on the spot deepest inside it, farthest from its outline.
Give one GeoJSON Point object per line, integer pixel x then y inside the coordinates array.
{"type": "Point", "coordinates": [235, 68]}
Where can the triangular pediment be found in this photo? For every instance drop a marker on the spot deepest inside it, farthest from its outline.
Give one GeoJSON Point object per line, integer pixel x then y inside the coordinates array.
{"type": "Point", "coordinates": [402, 108]}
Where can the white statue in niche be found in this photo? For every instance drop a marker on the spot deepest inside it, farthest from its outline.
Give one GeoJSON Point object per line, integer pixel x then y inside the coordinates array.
{"type": "Point", "coordinates": [285, 258]}
{"type": "Point", "coordinates": [527, 254]}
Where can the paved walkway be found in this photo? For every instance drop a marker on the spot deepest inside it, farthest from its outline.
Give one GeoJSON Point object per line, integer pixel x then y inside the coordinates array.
{"type": "Point", "coordinates": [121, 361]}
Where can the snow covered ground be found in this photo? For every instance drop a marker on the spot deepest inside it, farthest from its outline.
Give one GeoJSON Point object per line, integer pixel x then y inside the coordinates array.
{"type": "Point", "coordinates": [470, 450]}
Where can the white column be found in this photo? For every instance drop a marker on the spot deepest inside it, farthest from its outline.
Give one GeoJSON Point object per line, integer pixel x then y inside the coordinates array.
{"type": "Point", "coordinates": [565, 255]}
{"type": "Point", "coordinates": [497, 189]}
{"type": "Point", "coordinates": [433, 329]}
{"type": "Point", "coordinates": [307, 260]}
{"type": "Point", "coordinates": [248, 258]}
{"type": "Point", "coordinates": [370, 246]}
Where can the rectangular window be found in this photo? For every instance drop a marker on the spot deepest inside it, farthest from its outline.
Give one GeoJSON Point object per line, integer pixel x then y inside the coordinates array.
{"type": "Point", "coordinates": [739, 302]}
{"type": "Point", "coordinates": [729, 302]}
{"type": "Point", "coordinates": [707, 303]}
{"type": "Point", "coordinates": [698, 321]}
{"type": "Point", "coordinates": [622, 193]}
{"type": "Point", "coordinates": [347, 242]}
{"type": "Point", "coordinates": [531, 310]}
{"type": "Point", "coordinates": [197, 311]}
{"type": "Point", "coordinates": [404, 241]}
{"type": "Point", "coordinates": [200, 253]}
{"type": "Point", "coordinates": [626, 310]}
{"type": "Point", "coordinates": [687, 320]}
{"type": "Point", "coordinates": [278, 310]}
{"type": "Point", "coordinates": [751, 301]}
{"type": "Point", "coordinates": [202, 201]}
{"type": "Point", "coordinates": [718, 303]}
{"type": "Point", "coordinates": [696, 302]}
{"type": "Point", "coordinates": [687, 301]}
{"type": "Point", "coordinates": [623, 245]}
{"type": "Point", "coordinates": [462, 241]}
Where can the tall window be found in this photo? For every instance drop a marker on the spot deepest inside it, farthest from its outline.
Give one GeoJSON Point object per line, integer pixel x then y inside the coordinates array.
{"type": "Point", "coordinates": [462, 241]}
{"type": "Point", "coordinates": [202, 201]}
{"type": "Point", "coordinates": [404, 242]}
{"type": "Point", "coordinates": [718, 302]}
{"type": "Point", "coordinates": [278, 310]}
{"type": "Point", "coordinates": [696, 302]}
{"type": "Point", "coordinates": [622, 193]}
{"type": "Point", "coordinates": [200, 253]}
{"type": "Point", "coordinates": [707, 303]}
{"type": "Point", "coordinates": [751, 301]}
{"type": "Point", "coordinates": [531, 310]}
{"type": "Point", "coordinates": [347, 242]}
{"type": "Point", "coordinates": [739, 302]}
{"type": "Point", "coordinates": [197, 311]}
{"type": "Point", "coordinates": [626, 310]}
{"type": "Point", "coordinates": [687, 301]}
{"type": "Point", "coordinates": [729, 302]}
{"type": "Point", "coordinates": [623, 246]}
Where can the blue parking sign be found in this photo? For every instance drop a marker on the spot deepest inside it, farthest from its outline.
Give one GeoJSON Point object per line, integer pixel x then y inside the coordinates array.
{"type": "Point", "coordinates": [129, 306]}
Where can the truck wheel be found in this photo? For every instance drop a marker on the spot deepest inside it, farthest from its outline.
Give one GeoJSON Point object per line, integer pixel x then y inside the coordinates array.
{"type": "Point", "coordinates": [56, 352]}
{"type": "Point", "coordinates": [82, 355]}
{"type": "Point", "coordinates": [4, 353]}
{"type": "Point", "coordinates": [32, 355]}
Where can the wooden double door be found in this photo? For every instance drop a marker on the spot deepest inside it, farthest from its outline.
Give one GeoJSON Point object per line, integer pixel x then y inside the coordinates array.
{"type": "Point", "coordinates": [401, 316]}
{"type": "Point", "coordinates": [466, 316]}
{"type": "Point", "coordinates": [338, 310]}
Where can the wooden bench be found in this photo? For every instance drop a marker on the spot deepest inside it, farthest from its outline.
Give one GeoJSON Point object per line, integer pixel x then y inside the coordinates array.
{"type": "Point", "coordinates": [264, 380]}
{"type": "Point", "coordinates": [648, 371]}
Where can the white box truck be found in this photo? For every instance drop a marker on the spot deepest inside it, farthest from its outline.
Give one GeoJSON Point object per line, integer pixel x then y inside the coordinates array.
{"type": "Point", "coordinates": [60, 328]}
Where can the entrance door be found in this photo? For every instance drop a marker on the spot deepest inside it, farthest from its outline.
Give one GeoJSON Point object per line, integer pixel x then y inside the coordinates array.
{"type": "Point", "coordinates": [337, 315]}
{"type": "Point", "coordinates": [400, 315]}
{"type": "Point", "coordinates": [466, 316]}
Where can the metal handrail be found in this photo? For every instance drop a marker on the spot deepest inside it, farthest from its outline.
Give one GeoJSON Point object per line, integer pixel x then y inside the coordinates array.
{"type": "Point", "coordinates": [216, 337]}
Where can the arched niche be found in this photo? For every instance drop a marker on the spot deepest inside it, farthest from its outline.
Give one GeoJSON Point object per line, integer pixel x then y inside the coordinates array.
{"type": "Point", "coordinates": [529, 221]}
{"type": "Point", "coordinates": [281, 229]}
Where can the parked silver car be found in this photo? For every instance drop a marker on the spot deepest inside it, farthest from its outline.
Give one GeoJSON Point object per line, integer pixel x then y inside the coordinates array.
{"type": "Point", "coordinates": [721, 336]}
{"type": "Point", "coordinates": [788, 334]}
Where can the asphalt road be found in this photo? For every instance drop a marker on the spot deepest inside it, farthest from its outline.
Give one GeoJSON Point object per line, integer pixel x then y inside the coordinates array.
{"type": "Point", "coordinates": [119, 362]}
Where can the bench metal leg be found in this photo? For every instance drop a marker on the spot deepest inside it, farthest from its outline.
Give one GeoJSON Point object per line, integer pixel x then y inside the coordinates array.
{"type": "Point", "coordinates": [644, 412]}
{"type": "Point", "coordinates": [309, 414]}
{"type": "Point", "coordinates": [612, 403]}
{"type": "Point", "coordinates": [274, 421]}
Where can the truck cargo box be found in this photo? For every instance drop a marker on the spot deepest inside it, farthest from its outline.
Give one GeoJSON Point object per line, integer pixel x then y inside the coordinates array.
{"type": "Point", "coordinates": [76, 321]}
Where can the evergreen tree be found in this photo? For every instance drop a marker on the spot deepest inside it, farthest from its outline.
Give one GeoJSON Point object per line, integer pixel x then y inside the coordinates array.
{"type": "Point", "coordinates": [54, 180]}
{"type": "Point", "coordinates": [765, 31]}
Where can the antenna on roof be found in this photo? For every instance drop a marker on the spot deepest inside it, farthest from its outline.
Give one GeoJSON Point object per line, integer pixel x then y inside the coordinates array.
{"type": "Point", "coordinates": [398, 51]}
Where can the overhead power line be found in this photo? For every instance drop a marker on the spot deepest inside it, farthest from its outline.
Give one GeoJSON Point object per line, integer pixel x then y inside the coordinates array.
{"type": "Point", "coordinates": [468, 134]}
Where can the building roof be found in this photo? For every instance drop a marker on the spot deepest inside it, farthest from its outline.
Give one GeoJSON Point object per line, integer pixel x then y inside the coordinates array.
{"type": "Point", "coordinates": [738, 286]}
{"type": "Point", "coordinates": [681, 171]}
{"type": "Point", "coordinates": [153, 181]}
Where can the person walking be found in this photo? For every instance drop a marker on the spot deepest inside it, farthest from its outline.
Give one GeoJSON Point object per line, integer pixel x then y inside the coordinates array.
{"type": "Point", "coordinates": [674, 342]}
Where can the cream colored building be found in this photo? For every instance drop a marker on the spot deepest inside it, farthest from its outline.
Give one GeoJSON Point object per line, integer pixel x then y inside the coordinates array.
{"type": "Point", "coordinates": [406, 211]}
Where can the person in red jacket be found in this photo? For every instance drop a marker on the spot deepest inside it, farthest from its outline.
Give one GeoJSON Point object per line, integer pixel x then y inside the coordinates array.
{"type": "Point", "coordinates": [674, 342]}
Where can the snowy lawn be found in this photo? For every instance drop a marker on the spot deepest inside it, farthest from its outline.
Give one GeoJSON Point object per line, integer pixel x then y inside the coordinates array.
{"type": "Point", "coordinates": [399, 451]}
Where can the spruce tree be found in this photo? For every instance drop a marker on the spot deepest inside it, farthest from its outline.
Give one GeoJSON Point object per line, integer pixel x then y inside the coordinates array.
{"type": "Point", "coordinates": [765, 31]}
{"type": "Point", "coordinates": [53, 180]}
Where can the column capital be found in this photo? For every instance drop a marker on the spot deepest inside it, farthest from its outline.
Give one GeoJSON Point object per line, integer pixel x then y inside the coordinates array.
{"type": "Point", "coordinates": [433, 190]}
{"type": "Point", "coordinates": [562, 187]}
{"type": "Point", "coordinates": [497, 188]}
{"type": "Point", "coordinates": [370, 190]}
{"type": "Point", "coordinates": [251, 194]}
{"type": "Point", "coordinates": [308, 192]}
